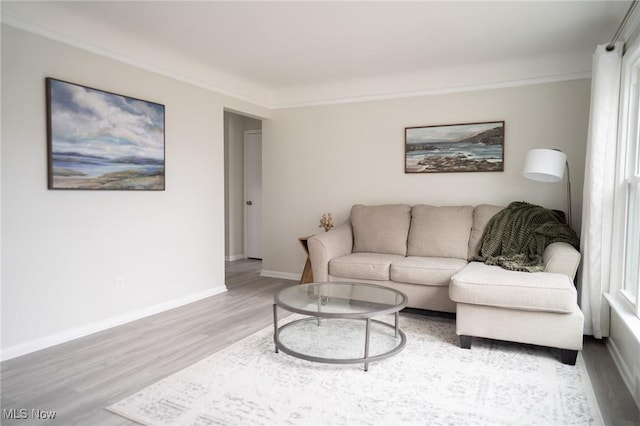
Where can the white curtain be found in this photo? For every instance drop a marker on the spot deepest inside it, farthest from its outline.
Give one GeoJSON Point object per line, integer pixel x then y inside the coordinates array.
{"type": "Point", "coordinates": [599, 182]}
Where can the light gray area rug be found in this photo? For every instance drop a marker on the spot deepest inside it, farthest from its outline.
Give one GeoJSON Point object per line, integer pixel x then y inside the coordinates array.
{"type": "Point", "coordinates": [431, 382]}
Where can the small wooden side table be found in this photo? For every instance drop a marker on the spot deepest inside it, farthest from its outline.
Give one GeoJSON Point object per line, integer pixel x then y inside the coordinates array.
{"type": "Point", "coordinates": [307, 272]}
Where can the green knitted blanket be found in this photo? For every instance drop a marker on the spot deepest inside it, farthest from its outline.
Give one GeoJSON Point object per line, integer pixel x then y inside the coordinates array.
{"type": "Point", "coordinates": [516, 237]}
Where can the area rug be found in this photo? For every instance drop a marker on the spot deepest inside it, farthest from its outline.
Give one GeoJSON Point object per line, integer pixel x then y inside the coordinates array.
{"type": "Point", "coordinates": [431, 382]}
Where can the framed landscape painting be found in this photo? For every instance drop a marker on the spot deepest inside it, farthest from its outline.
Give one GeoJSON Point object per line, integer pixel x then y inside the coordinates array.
{"type": "Point", "coordinates": [473, 147]}
{"type": "Point", "coordinates": [103, 141]}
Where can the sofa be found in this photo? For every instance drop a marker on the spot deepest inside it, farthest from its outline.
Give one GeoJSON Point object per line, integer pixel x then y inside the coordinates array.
{"type": "Point", "coordinates": [427, 252]}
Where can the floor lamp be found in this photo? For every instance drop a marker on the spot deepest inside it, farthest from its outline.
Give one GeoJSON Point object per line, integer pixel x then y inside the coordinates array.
{"type": "Point", "coordinates": [548, 165]}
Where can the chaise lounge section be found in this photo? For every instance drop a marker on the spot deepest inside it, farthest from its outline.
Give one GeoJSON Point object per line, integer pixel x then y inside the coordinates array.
{"type": "Point", "coordinates": [528, 307]}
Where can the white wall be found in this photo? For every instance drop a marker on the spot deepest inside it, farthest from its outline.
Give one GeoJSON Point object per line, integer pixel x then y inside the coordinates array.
{"type": "Point", "coordinates": [77, 261]}
{"type": "Point", "coordinates": [234, 128]}
{"type": "Point", "coordinates": [327, 158]}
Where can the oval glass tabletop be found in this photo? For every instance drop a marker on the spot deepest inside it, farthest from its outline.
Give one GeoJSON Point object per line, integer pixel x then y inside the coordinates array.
{"type": "Point", "coordinates": [341, 300]}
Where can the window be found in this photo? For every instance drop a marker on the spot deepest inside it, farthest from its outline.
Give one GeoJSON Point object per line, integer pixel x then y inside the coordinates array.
{"type": "Point", "coordinates": [629, 165]}
{"type": "Point", "coordinates": [632, 246]}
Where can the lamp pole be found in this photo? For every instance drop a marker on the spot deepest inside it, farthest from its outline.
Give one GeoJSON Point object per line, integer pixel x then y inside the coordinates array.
{"type": "Point", "coordinates": [568, 194]}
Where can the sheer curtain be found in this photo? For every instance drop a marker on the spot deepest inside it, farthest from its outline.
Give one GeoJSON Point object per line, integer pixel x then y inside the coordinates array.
{"type": "Point", "coordinates": [597, 209]}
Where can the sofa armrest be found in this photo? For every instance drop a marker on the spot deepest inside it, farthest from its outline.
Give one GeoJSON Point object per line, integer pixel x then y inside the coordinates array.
{"type": "Point", "coordinates": [329, 245]}
{"type": "Point", "coordinates": [561, 258]}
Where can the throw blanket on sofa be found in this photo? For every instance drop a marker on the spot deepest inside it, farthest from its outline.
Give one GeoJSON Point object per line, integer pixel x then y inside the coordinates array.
{"type": "Point", "coordinates": [516, 237]}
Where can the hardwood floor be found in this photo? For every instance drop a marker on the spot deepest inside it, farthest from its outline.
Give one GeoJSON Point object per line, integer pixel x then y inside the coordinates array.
{"type": "Point", "coordinates": [78, 379]}
{"type": "Point", "coordinates": [616, 403]}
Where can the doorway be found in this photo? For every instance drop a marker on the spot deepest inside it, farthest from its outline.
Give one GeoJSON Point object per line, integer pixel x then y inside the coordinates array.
{"type": "Point", "coordinates": [236, 126]}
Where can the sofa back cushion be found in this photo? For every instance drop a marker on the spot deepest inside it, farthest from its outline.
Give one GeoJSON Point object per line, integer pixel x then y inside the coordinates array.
{"type": "Point", "coordinates": [440, 231]}
{"type": "Point", "coordinates": [482, 214]}
{"type": "Point", "coordinates": [381, 229]}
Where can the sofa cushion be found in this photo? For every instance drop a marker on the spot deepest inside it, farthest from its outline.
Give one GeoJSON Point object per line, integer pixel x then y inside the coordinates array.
{"type": "Point", "coordinates": [365, 266]}
{"type": "Point", "coordinates": [480, 284]}
{"type": "Point", "coordinates": [482, 214]}
{"type": "Point", "coordinates": [434, 271]}
{"type": "Point", "coordinates": [440, 231]}
{"type": "Point", "coordinates": [380, 229]}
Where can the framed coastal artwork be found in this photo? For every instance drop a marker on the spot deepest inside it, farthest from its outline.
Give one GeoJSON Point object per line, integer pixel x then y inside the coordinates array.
{"type": "Point", "coordinates": [472, 147]}
{"type": "Point", "coordinates": [99, 140]}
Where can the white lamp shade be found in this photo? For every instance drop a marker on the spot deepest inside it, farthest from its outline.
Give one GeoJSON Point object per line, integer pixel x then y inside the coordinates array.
{"type": "Point", "coordinates": [545, 165]}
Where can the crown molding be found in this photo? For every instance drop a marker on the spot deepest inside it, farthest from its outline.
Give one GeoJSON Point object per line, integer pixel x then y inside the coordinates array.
{"type": "Point", "coordinates": [440, 90]}
{"type": "Point", "coordinates": [23, 25]}
{"type": "Point", "coordinates": [269, 100]}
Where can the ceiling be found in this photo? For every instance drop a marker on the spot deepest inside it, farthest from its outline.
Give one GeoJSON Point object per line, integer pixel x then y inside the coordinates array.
{"type": "Point", "coordinates": [279, 54]}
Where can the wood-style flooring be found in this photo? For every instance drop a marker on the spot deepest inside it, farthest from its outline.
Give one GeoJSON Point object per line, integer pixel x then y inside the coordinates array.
{"type": "Point", "coordinates": [79, 378]}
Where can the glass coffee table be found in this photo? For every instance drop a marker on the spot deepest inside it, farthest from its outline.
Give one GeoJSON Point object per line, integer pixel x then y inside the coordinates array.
{"type": "Point", "coordinates": [339, 325]}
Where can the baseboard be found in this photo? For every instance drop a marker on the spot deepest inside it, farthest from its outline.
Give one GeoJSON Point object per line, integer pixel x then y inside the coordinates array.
{"type": "Point", "coordinates": [625, 372]}
{"type": "Point", "coordinates": [85, 330]}
{"type": "Point", "coordinates": [234, 257]}
{"type": "Point", "coordinates": [280, 275]}
{"type": "Point", "coordinates": [628, 333]}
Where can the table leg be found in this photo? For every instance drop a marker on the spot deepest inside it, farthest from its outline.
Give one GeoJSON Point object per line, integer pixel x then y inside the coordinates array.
{"type": "Point", "coordinates": [319, 305]}
{"type": "Point", "coordinates": [366, 344]}
{"type": "Point", "coordinates": [275, 326]}
{"type": "Point", "coordinates": [397, 323]}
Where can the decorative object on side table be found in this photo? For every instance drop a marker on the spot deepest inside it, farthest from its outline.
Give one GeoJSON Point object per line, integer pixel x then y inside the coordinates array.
{"type": "Point", "coordinates": [326, 221]}
{"type": "Point", "coordinates": [473, 147]}
{"type": "Point", "coordinates": [103, 141]}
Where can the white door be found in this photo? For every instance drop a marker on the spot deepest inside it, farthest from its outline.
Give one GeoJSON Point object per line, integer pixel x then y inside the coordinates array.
{"type": "Point", "coordinates": [253, 194]}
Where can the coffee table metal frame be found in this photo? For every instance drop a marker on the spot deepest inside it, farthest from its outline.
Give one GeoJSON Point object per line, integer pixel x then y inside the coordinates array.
{"type": "Point", "coordinates": [366, 316]}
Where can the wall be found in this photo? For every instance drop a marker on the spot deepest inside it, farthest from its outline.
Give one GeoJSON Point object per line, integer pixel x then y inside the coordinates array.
{"type": "Point", "coordinates": [234, 127]}
{"type": "Point", "coordinates": [327, 158]}
{"type": "Point", "coordinates": [78, 261]}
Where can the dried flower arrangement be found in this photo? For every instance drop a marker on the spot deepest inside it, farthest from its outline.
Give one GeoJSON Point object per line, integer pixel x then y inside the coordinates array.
{"type": "Point", "coordinates": [326, 221]}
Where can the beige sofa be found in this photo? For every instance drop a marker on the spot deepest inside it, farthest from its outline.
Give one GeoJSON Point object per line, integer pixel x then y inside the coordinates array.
{"type": "Point", "coordinates": [426, 252]}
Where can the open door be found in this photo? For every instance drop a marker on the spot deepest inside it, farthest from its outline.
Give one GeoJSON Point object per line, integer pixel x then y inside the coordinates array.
{"type": "Point", "coordinates": [253, 194]}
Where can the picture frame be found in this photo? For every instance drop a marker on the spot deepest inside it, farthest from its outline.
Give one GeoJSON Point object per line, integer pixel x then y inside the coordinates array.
{"type": "Point", "coordinates": [99, 140]}
{"type": "Point", "coordinates": [470, 147]}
